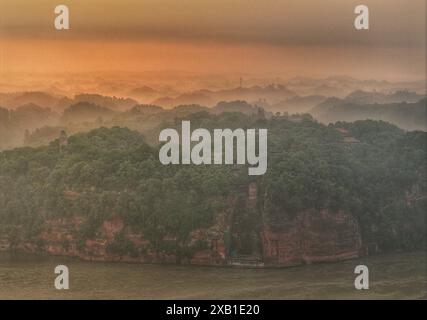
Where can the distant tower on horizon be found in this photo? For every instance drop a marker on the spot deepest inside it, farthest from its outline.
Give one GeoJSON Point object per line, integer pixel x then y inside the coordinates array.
{"type": "Point", "coordinates": [63, 140]}
{"type": "Point", "coordinates": [241, 82]}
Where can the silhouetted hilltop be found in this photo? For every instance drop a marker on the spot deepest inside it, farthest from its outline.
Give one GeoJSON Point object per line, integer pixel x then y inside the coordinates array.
{"type": "Point", "coordinates": [364, 97]}
{"type": "Point", "coordinates": [19, 123]}
{"type": "Point", "coordinates": [235, 106]}
{"type": "Point", "coordinates": [410, 116]}
{"type": "Point", "coordinates": [43, 99]}
{"type": "Point", "coordinates": [113, 103]}
{"type": "Point", "coordinates": [85, 111]}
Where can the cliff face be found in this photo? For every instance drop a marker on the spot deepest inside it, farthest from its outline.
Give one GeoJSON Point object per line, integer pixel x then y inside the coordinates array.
{"type": "Point", "coordinates": [312, 237]}
{"type": "Point", "coordinates": [215, 253]}
{"type": "Point", "coordinates": [61, 237]}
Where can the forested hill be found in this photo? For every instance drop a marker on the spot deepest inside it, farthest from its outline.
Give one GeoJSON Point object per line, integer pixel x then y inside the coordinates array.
{"type": "Point", "coordinates": [371, 170]}
{"type": "Point", "coordinates": [409, 116]}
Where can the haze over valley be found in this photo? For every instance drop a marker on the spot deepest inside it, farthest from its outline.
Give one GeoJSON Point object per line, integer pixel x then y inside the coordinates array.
{"type": "Point", "coordinates": [32, 118]}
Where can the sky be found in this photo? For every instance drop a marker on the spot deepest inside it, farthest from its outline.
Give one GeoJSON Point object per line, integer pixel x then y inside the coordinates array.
{"type": "Point", "coordinates": [265, 38]}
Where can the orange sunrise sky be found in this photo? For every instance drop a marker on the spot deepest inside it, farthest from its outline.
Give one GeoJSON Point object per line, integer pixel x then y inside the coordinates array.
{"type": "Point", "coordinates": [278, 38]}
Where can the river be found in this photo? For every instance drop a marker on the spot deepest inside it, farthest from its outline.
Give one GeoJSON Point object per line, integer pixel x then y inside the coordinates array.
{"type": "Point", "coordinates": [392, 276]}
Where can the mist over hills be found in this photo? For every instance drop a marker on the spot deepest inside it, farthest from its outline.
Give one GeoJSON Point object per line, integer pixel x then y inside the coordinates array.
{"type": "Point", "coordinates": [409, 116]}
{"type": "Point", "coordinates": [17, 123]}
{"type": "Point", "coordinates": [86, 112]}
{"type": "Point", "coordinates": [33, 125]}
{"type": "Point", "coordinates": [147, 87]}
{"type": "Point", "coordinates": [365, 97]}
{"type": "Point", "coordinates": [114, 103]}
{"type": "Point", "coordinates": [185, 98]}
{"type": "Point", "coordinates": [35, 117]}
{"type": "Point", "coordinates": [403, 108]}
{"type": "Point", "coordinates": [47, 100]}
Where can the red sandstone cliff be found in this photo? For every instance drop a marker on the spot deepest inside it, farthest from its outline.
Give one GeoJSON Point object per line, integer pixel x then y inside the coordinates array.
{"type": "Point", "coordinates": [312, 237]}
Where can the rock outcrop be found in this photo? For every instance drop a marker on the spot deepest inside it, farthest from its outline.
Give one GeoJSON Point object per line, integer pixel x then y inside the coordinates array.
{"type": "Point", "coordinates": [312, 237]}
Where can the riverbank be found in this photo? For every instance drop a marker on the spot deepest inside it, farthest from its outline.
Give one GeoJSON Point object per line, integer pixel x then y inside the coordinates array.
{"type": "Point", "coordinates": [392, 276]}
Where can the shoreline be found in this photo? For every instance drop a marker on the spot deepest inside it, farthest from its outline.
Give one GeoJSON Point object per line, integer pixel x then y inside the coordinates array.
{"type": "Point", "coordinates": [45, 256]}
{"type": "Point", "coordinates": [392, 276]}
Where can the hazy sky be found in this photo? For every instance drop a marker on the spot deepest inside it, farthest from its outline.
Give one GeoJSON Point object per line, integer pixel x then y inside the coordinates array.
{"type": "Point", "coordinates": [262, 37]}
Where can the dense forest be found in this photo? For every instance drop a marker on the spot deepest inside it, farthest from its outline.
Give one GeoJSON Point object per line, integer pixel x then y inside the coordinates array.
{"type": "Point", "coordinates": [370, 169]}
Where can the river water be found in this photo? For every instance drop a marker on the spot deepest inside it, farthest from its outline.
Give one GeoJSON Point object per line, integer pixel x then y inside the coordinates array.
{"type": "Point", "coordinates": [396, 276]}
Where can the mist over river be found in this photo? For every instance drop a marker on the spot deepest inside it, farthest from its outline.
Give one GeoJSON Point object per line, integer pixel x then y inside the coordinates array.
{"type": "Point", "coordinates": [392, 276]}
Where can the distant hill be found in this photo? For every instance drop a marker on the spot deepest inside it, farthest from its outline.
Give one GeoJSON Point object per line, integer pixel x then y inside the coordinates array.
{"type": "Point", "coordinates": [186, 98]}
{"type": "Point", "coordinates": [273, 93]}
{"type": "Point", "coordinates": [410, 116]}
{"type": "Point", "coordinates": [60, 103]}
{"type": "Point", "coordinates": [32, 113]}
{"type": "Point", "coordinates": [85, 111]}
{"type": "Point", "coordinates": [43, 99]}
{"type": "Point", "coordinates": [342, 86]}
{"type": "Point", "coordinates": [113, 103]}
{"type": "Point", "coordinates": [297, 104]}
{"type": "Point", "coordinates": [364, 97]}
{"type": "Point", "coordinates": [144, 93]}
{"type": "Point", "coordinates": [16, 123]}
{"type": "Point", "coordinates": [236, 106]}
{"type": "Point", "coordinates": [145, 109]}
